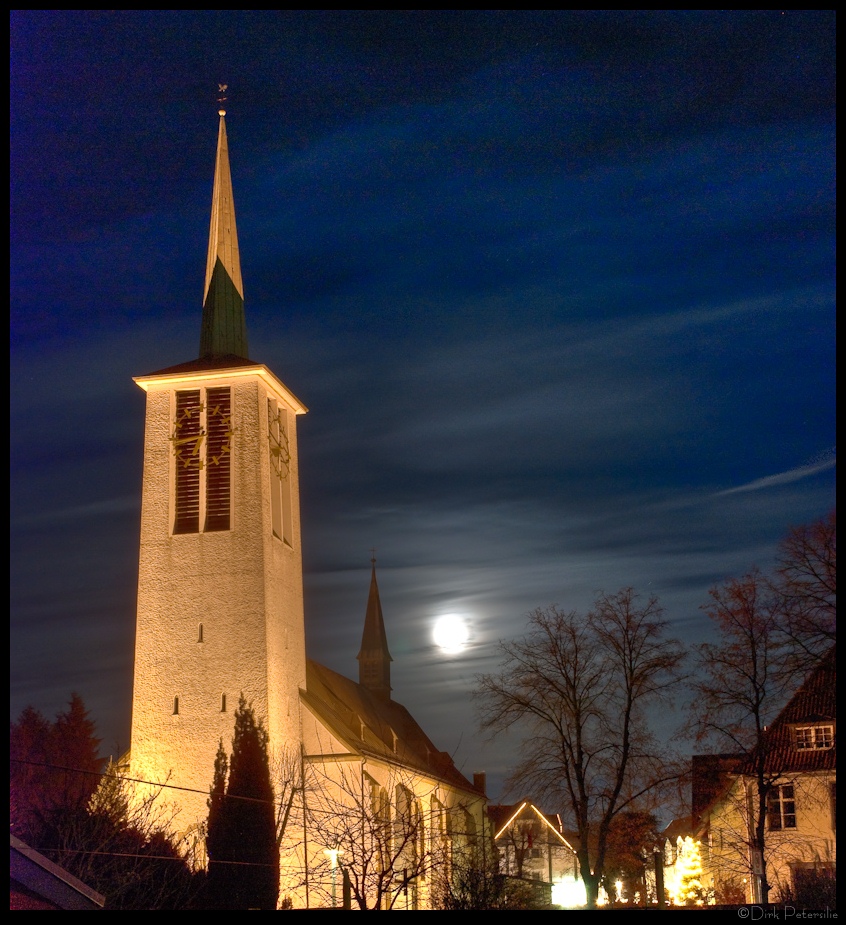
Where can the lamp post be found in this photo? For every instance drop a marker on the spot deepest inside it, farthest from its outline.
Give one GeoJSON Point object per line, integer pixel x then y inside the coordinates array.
{"type": "Point", "coordinates": [333, 860]}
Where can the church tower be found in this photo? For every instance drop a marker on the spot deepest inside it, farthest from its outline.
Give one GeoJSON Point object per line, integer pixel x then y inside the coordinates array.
{"type": "Point", "coordinates": [220, 598]}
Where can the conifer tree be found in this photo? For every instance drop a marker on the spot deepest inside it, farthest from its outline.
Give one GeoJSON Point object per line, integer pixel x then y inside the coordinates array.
{"type": "Point", "coordinates": [215, 838]}
{"type": "Point", "coordinates": [54, 769]}
{"type": "Point", "coordinates": [241, 837]}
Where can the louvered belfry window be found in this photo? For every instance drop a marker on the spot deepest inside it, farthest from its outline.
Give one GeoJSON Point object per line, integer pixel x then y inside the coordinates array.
{"type": "Point", "coordinates": [188, 451]}
{"type": "Point", "coordinates": [218, 457]}
{"type": "Point", "coordinates": [280, 471]}
{"type": "Point", "coordinates": [202, 444]}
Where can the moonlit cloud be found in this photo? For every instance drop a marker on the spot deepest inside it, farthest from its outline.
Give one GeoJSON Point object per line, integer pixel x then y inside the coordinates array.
{"type": "Point", "coordinates": [783, 478]}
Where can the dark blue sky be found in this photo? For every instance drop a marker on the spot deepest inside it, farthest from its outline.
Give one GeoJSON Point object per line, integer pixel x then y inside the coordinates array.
{"type": "Point", "coordinates": [557, 287]}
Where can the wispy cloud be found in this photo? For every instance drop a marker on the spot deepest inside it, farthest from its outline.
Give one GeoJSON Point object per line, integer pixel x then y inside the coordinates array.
{"type": "Point", "coordinates": [785, 478]}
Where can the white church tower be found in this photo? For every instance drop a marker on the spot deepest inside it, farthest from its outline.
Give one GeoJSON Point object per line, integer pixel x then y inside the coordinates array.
{"type": "Point", "coordinates": [220, 599]}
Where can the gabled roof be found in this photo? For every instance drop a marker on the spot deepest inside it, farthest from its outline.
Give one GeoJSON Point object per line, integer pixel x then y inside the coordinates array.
{"type": "Point", "coordinates": [372, 726]}
{"type": "Point", "coordinates": [815, 703]}
{"type": "Point", "coordinates": [680, 827]}
{"type": "Point", "coordinates": [504, 816]}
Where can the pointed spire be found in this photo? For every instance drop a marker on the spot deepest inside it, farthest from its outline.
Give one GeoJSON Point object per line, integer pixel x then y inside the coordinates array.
{"type": "Point", "coordinates": [224, 330]}
{"type": "Point", "coordinates": [374, 659]}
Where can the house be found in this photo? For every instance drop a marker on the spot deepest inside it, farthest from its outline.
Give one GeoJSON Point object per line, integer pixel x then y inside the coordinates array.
{"type": "Point", "coordinates": [681, 848]}
{"type": "Point", "coordinates": [373, 812]}
{"type": "Point", "coordinates": [531, 845]}
{"type": "Point", "coordinates": [35, 882]}
{"type": "Point", "coordinates": [799, 764]}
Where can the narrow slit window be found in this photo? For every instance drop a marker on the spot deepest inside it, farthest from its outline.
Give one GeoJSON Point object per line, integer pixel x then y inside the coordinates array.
{"type": "Point", "coordinates": [223, 703]}
{"type": "Point", "coordinates": [200, 633]}
{"type": "Point", "coordinates": [176, 706]}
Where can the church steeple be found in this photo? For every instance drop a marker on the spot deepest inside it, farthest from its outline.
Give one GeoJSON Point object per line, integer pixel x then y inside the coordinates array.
{"type": "Point", "coordinates": [220, 575]}
{"type": "Point", "coordinates": [374, 659]}
{"type": "Point", "coordinates": [224, 331]}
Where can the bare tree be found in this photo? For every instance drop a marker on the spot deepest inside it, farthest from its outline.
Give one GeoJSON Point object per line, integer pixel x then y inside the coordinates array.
{"type": "Point", "coordinates": [473, 881]}
{"type": "Point", "coordinates": [773, 632]}
{"type": "Point", "coordinates": [632, 840]}
{"type": "Point", "coordinates": [375, 840]}
{"type": "Point", "coordinates": [740, 687]}
{"type": "Point", "coordinates": [125, 847]}
{"type": "Point", "coordinates": [805, 582]}
{"type": "Point", "coordinates": [581, 687]}
{"type": "Point", "coordinates": [287, 777]}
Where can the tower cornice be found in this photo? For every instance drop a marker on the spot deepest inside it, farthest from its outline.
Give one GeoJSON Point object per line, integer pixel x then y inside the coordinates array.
{"type": "Point", "coordinates": [178, 376]}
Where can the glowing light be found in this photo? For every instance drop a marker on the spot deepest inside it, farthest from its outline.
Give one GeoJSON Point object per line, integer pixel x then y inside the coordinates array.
{"type": "Point", "coordinates": [569, 893]}
{"type": "Point", "coordinates": [451, 633]}
{"type": "Point", "coordinates": [333, 859]}
{"type": "Point", "coordinates": [683, 880]}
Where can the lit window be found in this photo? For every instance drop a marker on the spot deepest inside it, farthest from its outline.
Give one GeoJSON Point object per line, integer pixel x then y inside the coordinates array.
{"type": "Point", "coordinates": [781, 808]}
{"type": "Point", "coordinates": [812, 737]}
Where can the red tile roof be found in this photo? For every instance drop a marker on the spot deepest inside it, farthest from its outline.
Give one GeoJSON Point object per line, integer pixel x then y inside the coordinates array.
{"type": "Point", "coordinates": [815, 703]}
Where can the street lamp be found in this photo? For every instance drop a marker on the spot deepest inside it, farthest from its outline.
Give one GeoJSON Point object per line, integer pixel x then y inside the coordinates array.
{"type": "Point", "coordinates": [333, 861]}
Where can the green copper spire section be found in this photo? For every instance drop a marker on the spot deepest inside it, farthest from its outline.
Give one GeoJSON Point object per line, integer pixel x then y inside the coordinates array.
{"type": "Point", "coordinates": [224, 331]}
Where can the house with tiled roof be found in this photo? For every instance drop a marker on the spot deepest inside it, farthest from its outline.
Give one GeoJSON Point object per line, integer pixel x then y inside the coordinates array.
{"type": "Point", "coordinates": [532, 845]}
{"type": "Point", "coordinates": [799, 764]}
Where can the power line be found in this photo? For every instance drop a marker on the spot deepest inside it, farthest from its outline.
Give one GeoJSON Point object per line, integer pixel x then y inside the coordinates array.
{"type": "Point", "coordinates": [137, 780]}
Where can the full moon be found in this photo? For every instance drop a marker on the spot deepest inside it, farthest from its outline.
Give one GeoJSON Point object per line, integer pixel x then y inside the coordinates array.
{"type": "Point", "coordinates": [450, 633]}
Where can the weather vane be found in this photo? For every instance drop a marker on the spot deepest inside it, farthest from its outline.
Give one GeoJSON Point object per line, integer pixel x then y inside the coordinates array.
{"type": "Point", "coordinates": [221, 99]}
{"type": "Point", "coordinates": [373, 555]}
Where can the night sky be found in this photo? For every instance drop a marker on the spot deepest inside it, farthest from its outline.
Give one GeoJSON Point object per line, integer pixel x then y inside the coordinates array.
{"type": "Point", "coordinates": [558, 289]}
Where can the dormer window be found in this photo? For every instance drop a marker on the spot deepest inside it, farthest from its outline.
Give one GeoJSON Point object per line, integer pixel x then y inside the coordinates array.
{"type": "Point", "coordinates": [814, 737]}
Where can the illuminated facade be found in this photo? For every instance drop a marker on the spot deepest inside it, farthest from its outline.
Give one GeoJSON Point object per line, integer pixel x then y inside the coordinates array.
{"type": "Point", "coordinates": [531, 846]}
{"type": "Point", "coordinates": [220, 609]}
{"type": "Point", "coordinates": [800, 771]}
